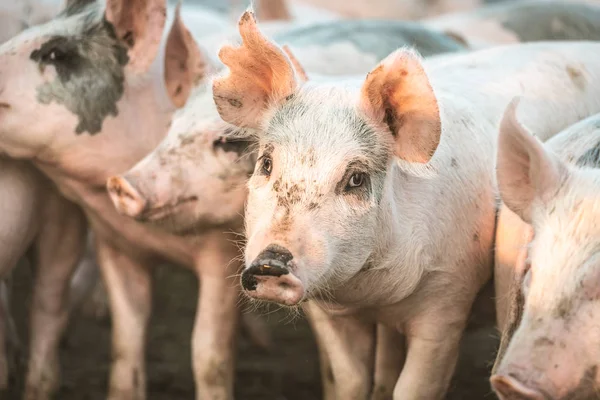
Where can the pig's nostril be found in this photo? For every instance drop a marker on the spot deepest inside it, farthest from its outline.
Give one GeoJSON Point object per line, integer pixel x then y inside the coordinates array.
{"type": "Point", "coordinates": [126, 199]}
{"type": "Point", "coordinates": [273, 261]}
{"type": "Point", "coordinates": [262, 267]}
{"type": "Point", "coordinates": [276, 253]}
{"type": "Point", "coordinates": [509, 388]}
{"type": "Point", "coordinates": [270, 277]}
{"type": "Point", "coordinates": [4, 105]}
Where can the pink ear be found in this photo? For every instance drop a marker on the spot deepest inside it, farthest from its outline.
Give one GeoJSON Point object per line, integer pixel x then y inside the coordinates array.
{"type": "Point", "coordinates": [525, 170]}
{"type": "Point", "coordinates": [185, 65]}
{"type": "Point", "coordinates": [397, 93]}
{"type": "Point", "coordinates": [260, 75]}
{"type": "Point", "coordinates": [300, 72]}
{"type": "Point", "coordinates": [139, 24]}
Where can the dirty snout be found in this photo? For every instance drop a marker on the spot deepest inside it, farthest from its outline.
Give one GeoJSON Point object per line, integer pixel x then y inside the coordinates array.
{"type": "Point", "coordinates": [125, 197]}
{"type": "Point", "coordinates": [511, 388]}
{"type": "Point", "coordinates": [549, 360]}
{"type": "Point", "coordinates": [270, 277]}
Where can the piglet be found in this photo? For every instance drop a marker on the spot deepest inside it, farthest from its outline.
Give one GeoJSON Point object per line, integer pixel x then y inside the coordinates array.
{"type": "Point", "coordinates": [376, 199]}
{"type": "Point", "coordinates": [547, 262]}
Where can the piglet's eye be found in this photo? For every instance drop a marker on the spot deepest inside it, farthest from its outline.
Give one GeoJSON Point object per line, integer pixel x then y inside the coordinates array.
{"type": "Point", "coordinates": [356, 180]}
{"type": "Point", "coordinates": [267, 166]}
{"type": "Point", "coordinates": [54, 55]}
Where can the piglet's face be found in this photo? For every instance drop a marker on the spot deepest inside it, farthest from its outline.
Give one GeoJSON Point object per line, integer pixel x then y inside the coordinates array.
{"type": "Point", "coordinates": [195, 179]}
{"type": "Point", "coordinates": [555, 351]}
{"type": "Point", "coordinates": [319, 184]}
{"type": "Point", "coordinates": [315, 196]}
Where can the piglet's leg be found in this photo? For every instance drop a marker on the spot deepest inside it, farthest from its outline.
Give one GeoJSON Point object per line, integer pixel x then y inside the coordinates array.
{"type": "Point", "coordinates": [319, 321]}
{"type": "Point", "coordinates": [349, 344]}
{"type": "Point", "coordinates": [128, 284]}
{"type": "Point", "coordinates": [389, 360]}
{"type": "Point", "coordinates": [58, 250]}
{"type": "Point", "coordinates": [88, 294]}
{"type": "Point", "coordinates": [431, 358]}
{"type": "Point", "coordinates": [217, 318]}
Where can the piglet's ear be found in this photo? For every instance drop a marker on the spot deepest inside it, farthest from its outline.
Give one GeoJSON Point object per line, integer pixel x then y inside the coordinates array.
{"type": "Point", "coordinates": [260, 76]}
{"type": "Point", "coordinates": [526, 172]}
{"type": "Point", "coordinates": [397, 94]}
{"type": "Point", "coordinates": [185, 65]}
{"type": "Point", "coordinates": [139, 25]}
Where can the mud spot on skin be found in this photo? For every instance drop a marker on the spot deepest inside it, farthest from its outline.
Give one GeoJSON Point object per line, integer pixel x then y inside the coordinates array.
{"type": "Point", "coordinates": [309, 158]}
{"type": "Point", "coordinates": [294, 194]}
{"type": "Point", "coordinates": [235, 103]}
{"type": "Point", "coordinates": [563, 309]}
{"type": "Point", "coordinates": [268, 149]}
{"type": "Point", "coordinates": [576, 76]}
{"type": "Point", "coordinates": [186, 140]}
{"type": "Point", "coordinates": [330, 376]}
{"type": "Point", "coordinates": [454, 163]}
{"type": "Point", "coordinates": [246, 17]}
{"type": "Point", "coordinates": [287, 196]}
{"type": "Point", "coordinates": [313, 206]}
{"type": "Point", "coordinates": [590, 158]}
{"type": "Point", "coordinates": [216, 374]}
{"type": "Point", "coordinates": [90, 70]}
{"type": "Point", "coordinates": [136, 379]}
{"type": "Point", "coordinates": [543, 341]}
{"type": "Point", "coordinates": [276, 186]}
{"type": "Point", "coordinates": [476, 237]}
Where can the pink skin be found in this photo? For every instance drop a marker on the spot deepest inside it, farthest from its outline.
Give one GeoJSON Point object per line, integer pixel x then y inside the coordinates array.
{"type": "Point", "coordinates": [550, 344]}
{"type": "Point", "coordinates": [194, 178]}
{"type": "Point", "coordinates": [79, 165]}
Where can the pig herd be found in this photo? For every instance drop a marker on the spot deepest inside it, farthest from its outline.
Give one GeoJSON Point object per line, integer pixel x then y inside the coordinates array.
{"type": "Point", "coordinates": [378, 173]}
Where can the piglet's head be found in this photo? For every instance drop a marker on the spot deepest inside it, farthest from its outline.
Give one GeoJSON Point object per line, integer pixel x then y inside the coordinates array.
{"type": "Point", "coordinates": [86, 72]}
{"type": "Point", "coordinates": [554, 350]}
{"type": "Point", "coordinates": [318, 193]}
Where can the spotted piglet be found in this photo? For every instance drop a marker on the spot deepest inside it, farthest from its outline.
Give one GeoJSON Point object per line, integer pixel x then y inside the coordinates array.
{"type": "Point", "coordinates": [377, 198]}
{"type": "Point", "coordinates": [551, 194]}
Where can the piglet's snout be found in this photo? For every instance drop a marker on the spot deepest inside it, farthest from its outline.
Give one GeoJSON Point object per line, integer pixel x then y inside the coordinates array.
{"type": "Point", "coordinates": [270, 278]}
{"type": "Point", "coordinates": [125, 197]}
{"type": "Point", "coordinates": [509, 388]}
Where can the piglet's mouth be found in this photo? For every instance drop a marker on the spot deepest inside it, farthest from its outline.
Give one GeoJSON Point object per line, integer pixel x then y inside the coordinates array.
{"type": "Point", "coordinates": [270, 279]}
{"type": "Point", "coordinates": [159, 213]}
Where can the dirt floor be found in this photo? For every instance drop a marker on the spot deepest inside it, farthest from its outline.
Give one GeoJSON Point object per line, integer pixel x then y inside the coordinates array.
{"type": "Point", "coordinates": [289, 373]}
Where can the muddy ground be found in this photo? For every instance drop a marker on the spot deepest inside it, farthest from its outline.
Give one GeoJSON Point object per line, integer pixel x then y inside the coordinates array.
{"type": "Point", "coordinates": [288, 372]}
